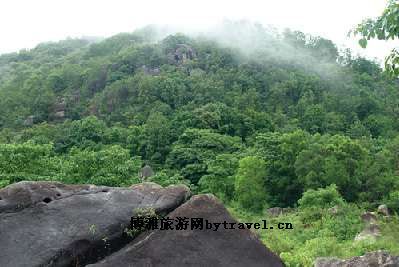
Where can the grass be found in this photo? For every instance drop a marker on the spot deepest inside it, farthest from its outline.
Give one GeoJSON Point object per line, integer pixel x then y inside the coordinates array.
{"type": "Point", "coordinates": [318, 233]}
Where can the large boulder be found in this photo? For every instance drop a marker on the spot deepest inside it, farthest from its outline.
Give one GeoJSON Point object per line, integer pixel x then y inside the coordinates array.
{"type": "Point", "coordinates": [146, 172]}
{"type": "Point", "coordinates": [224, 247]}
{"type": "Point", "coordinates": [52, 224]}
{"type": "Point", "coordinates": [372, 259]}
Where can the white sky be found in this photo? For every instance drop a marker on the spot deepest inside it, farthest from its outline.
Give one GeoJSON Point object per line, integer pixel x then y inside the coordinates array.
{"type": "Point", "coordinates": [25, 23]}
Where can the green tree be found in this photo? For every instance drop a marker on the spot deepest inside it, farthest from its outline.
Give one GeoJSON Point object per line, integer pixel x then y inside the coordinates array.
{"type": "Point", "coordinates": [156, 138]}
{"type": "Point", "coordinates": [249, 183]}
{"type": "Point", "coordinates": [332, 160]}
{"type": "Point", "coordinates": [384, 27]}
{"type": "Point", "coordinates": [196, 148]}
{"type": "Point", "coordinates": [220, 177]}
{"type": "Point", "coordinates": [280, 152]}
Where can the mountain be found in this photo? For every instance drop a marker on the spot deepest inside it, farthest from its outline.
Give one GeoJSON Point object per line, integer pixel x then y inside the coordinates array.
{"type": "Point", "coordinates": [258, 117]}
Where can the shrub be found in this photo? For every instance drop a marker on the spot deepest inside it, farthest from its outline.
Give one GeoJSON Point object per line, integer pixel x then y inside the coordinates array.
{"type": "Point", "coordinates": [321, 198]}
{"type": "Point", "coordinates": [393, 201]}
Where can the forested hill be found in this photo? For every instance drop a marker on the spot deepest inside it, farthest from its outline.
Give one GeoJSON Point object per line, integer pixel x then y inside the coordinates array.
{"type": "Point", "coordinates": [244, 108]}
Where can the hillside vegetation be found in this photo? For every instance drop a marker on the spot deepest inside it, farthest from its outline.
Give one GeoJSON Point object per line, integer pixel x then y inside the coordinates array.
{"type": "Point", "coordinates": [253, 116]}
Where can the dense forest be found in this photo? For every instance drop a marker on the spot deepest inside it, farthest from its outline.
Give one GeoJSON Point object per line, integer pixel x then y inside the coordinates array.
{"type": "Point", "coordinates": [260, 118]}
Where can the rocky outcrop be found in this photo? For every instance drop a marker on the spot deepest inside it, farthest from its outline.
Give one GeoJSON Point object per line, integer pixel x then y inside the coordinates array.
{"type": "Point", "coordinates": [182, 54]}
{"type": "Point", "coordinates": [51, 224]}
{"type": "Point", "coordinates": [146, 172]}
{"type": "Point", "coordinates": [224, 247]}
{"type": "Point", "coordinates": [59, 109]}
{"type": "Point", "coordinates": [276, 211]}
{"type": "Point", "coordinates": [372, 259]}
{"type": "Point", "coordinates": [368, 217]}
{"type": "Point", "coordinates": [383, 209]}
{"type": "Point", "coordinates": [371, 232]}
{"type": "Point", "coordinates": [150, 71]}
{"type": "Point", "coordinates": [29, 121]}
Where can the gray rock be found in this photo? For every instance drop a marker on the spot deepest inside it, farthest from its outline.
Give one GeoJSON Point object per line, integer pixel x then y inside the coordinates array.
{"type": "Point", "coordinates": [29, 121]}
{"type": "Point", "coordinates": [224, 247]}
{"type": "Point", "coordinates": [383, 209]}
{"type": "Point", "coordinates": [369, 217]}
{"type": "Point", "coordinates": [59, 115]}
{"type": "Point", "coordinates": [60, 105]}
{"type": "Point", "coordinates": [371, 259]}
{"type": "Point", "coordinates": [182, 54]}
{"type": "Point", "coordinates": [52, 224]}
{"type": "Point", "coordinates": [274, 212]}
{"type": "Point", "coordinates": [146, 172]}
{"type": "Point", "coordinates": [334, 210]}
{"type": "Point", "coordinates": [371, 232]}
{"type": "Point", "coordinates": [150, 71]}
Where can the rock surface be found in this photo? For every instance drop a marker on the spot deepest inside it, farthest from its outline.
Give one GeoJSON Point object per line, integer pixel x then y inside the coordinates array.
{"type": "Point", "coordinates": [334, 210]}
{"type": "Point", "coordinates": [182, 54]}
{"type": "Point", "coordinates": [29, 121]}
{"type": "Point", "coordinates": [224, 247]}
{"type": "Point", "coordinates": [146, 172]}
{"type": "Point", "coordinates": [371, 232]}
{"type": "Point", "coordinates": [369, 217]}
{"type": "Point", "coordinates": [274, 212]}
{"type": "Point", "coordinates": [277, 211]}
{"type": "Point", "coordinates": [372, 259]}
{"type": "Point", "coordinates": [383, 209]}
{"type": "Point", "coordinates": [52, 224]}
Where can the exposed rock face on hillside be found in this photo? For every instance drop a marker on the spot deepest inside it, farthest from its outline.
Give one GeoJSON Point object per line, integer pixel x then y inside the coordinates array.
{"type": "Point", "coordinates": [372, 259]}
{"type": "Point", "coordinates": [52, 224]}
{"type": "Point", "coordinates": [224, 247]}
{"type": "Point", "coordinates": [182, 53]}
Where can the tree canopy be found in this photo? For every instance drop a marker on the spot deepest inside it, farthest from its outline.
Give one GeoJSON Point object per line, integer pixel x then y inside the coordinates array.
{"type": "Point", "coordinates": [385, 27]}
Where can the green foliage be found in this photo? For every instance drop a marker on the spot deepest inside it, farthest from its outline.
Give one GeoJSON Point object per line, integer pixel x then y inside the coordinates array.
{"type": "Point", "coordinates": [384, 27]}
{"type": "Point", "coordinates": [184, 117]}
{"type": "Point", "coordinates": [324, 235]}
{"type": "Point", "coordinates": [393, 201]}
{"type": "Point", "coordinates": [332, 159]}
{"type": "Point", "coordinates": [321, 198]}
{"type": "Point", "coordinates": [26, 161]}
{"type": "Point", "coordinates": [220, 178]}
{"type": "Point", "coordinates": [167, 177]}
{"type": "Point", "coordinates": [280, 151]}
{"type": "Point", "coordinates": [249, 183]}
{"type": "Point", "coordinates": [111, 166]}
{"type": "Point", "coordinates": [196, 148]}
{"type": "Point", "coordinates": [275, 125]}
